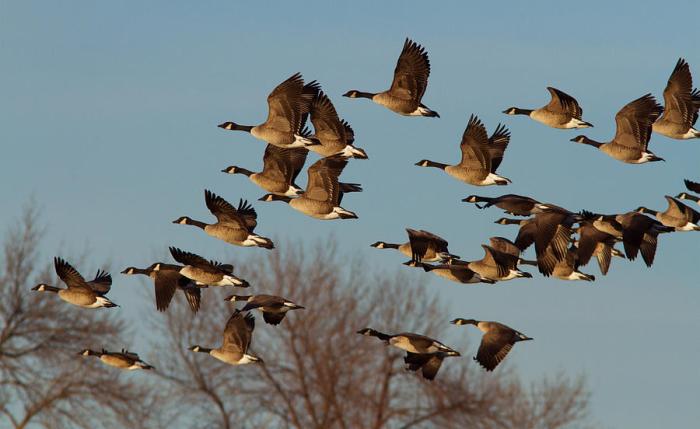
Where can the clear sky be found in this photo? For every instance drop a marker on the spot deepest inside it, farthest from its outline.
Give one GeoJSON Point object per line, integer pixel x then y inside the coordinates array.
{"type": "Point", "coordinates": [108, 118]}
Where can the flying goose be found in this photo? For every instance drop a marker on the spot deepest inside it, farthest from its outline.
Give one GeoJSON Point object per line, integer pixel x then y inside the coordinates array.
{"type": "Point", "coordinates": [409, 84]}
{"type": "Point", "coordinates": [324, 193]}
{"type": "Point", "coordinates": [631, 140]}
{"type": "Point", "coordinates": [233, 225]}
{"type": "Point", "coordinates": [639, 233]}
{"type": "Point", "coordinates": [455, 272]}
{"type": "Point", "coordinates": [517, 205]}
{"type": "Point", "coordinates": [681, 104]}
{"type": "Point", "coordinates": [280, 170]}
{"type": "Point", "coordinates": [288, 106]}
{"type": "Point", "coordinates": [562, 111]}
{"type": "Point", "coordinates": [421, 246]}
{"type": "Point", "coordinates": [201, 271]}
{"type": "Point", "coordinates": [166, 281]}
{"type": "Point", "coordinates": [496, 343]}
{"type": "Point", "coordinates": [237, 336]}
{"type": "Point", "coordinates": [79, 292]}
{"type": "Point", "coordinates": [677, 215]}
{"type": "Point", "coordinates": [481, 155]}
{"type": "Point", "coordinates": [273, 308]}
{"type": "Point", "coordinates": [122, 360]}
{"type": "Point", "coordinates": [335, 136]}
{"type": "Point", "coordinates": [430, 352]}
{"type": "Point", "coordinates": [495, 265]}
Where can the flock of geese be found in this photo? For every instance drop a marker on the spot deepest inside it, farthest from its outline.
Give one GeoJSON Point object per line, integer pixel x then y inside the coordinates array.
{"type": "Point", "coordinates": [564, 240]}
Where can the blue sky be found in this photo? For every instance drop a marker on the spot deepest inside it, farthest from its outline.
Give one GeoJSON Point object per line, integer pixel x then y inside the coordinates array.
{"type": "Point", "coordinates": [109, 120]}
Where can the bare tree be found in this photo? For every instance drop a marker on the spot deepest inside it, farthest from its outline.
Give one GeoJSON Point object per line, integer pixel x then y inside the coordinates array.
{"type": "Point", "coordinates": [43, 381]}
{"type": "Point", "coordinates": [320, 374]}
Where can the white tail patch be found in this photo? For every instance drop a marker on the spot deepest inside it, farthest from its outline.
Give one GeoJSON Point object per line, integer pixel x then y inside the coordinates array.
{"type": "Point", "coordinates": [301, 141]}
{"type": "Point", "coordinates": [494, 179]}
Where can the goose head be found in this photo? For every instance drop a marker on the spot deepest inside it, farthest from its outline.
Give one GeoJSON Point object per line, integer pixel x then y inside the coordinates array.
{"type": "Point", "coordinates": [353, 93]}
{"type": "Point", "coordinates": [183, 220]}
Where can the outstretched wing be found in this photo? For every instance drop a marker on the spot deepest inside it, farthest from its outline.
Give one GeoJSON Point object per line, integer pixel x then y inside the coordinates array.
{"type": "Point", "coordinates": [562, 102]}
{"type": "Point", "coordinates": [70, 276]}
{"type": "Point", "coordinates": [411, 73]}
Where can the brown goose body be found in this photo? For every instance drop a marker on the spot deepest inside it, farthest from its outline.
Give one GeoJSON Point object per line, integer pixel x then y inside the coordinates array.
{"type": "Point", "coordinates": [238, 334]}
{"type": "Point", "coordinates": [562, 111]}
{"type": "Point", "coordinates": [634, 123]}
{"type": "Point", "coordinates": [123, 360]}
{"type": "Point", "coordinates": [517, 205]}
{"type": "Point", "coordinates": [78, 291]}
{"type": "Point", "coordinates": [166, 282]}
{"type": "Point", "coordinates": [234, 225]}
{"type": "Point", "coordinates": [481, 155]}
{"type": "Point", "coordinates": [335, 136]}
{"type": "Point", "coordinates": [677, 216]}
{"type": "Point", "coordinates": [409, 84]}
{"type": "Point", "coordinates": [324, 193]}
{"type": "Point", "coordinates": [280, 170]}
{"type": "Point", "coordinates": [288, 105]}
{"type": "Point", "coordinates": [681, 104]}
{"type": "Point", "coordinates": [274, 308]}
{"type": "Point", "coordinates": [496, 343]}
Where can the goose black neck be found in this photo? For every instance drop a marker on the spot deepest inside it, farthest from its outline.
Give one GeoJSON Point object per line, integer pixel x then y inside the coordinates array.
{"type": "Point", "coordinates": [239, 170]}
{"type": "Point", "coordinates": [197, 223]}
{"type": "Point", "coordinates": [518, 111]}
{"type": "Point", "coordinates": [591, 142]}
{"type": "Point", "coordinates": [382, 336]}
{"type": "Point", "coordinates": [203, 350]}
{"type": "Point", "coordinates": [361, 94]}
{"type": "Point", "coordinates": [391, 246]}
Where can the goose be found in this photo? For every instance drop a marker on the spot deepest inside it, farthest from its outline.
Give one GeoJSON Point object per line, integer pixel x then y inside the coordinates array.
{"type": "Point", "coordinates": [288, 105]}
{"type": "Point", "coordinates": [562, 111]}
{"type": "Point", "coordinates": [681, 104]}
{"type": "Point", "coordinates": [237, 336]}
{"type": "Point", "coordinates": [324, 193]}
{"type": "Point", "coordinates": [409, 84]}
{"type": "Point", "coordinates": [78, 291]}
{"type": "Point", "coordinates": [496, 265]}
{"type": "Point", "coordinates": [280, 170]}
{"type": "Point", "coordinates": [429, 364]}
{"type": "Point", "coordinates": [496, 343]}
{"type": "Point", "coordinates": [233, 225]}
{"type": "Point", "coordinates": [631, 141]}
{"type": "Point", "coordinates": [201, 271]}
{"type": "Point", "coordinates": [692, 186]}
{"type": "Point", "coordinates": [421, 246]}
{"type": "Point", "coordinates": [677, 215]}
{"type": "Point", "coordinates": [481, 155]}
{"type": "Point", "coordinates": [563, 269]}
{"type": "Point", "coordinates": [594, 242]}
{"type": "Point", "coordinates": [458, 273]}
{"type": "Point", "coordinates": [122, 360]}
{"type": "Point", "coordinates": [335, 136]}
{"type": "Point", "coordinates": [430, 352]}
{"type": "Point", "coordinates": [639, 233]}
{"type": "Point", "coordinates": [166, 281]}
{"type": "Point", "coordinates": [517, 205]}
{"type": "Point", "coordinates": [273, 308]}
